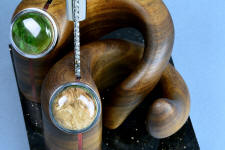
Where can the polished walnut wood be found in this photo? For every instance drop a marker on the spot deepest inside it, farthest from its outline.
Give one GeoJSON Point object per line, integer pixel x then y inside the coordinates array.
{"type": "Point", "coordinates": [103, 16]}
{"type": "Point", "coordinates": [31, 72]}
{"type": "Point", "coordinates": [101, 63]}
{"type": "Point", "coordinates": [168, 114]}
{"type": "Point", "coordinates": [62, 73]}
{"type": "Point", "coordinates": [153, 20]}
{"type": "Point", "coordinates": [151, 17]}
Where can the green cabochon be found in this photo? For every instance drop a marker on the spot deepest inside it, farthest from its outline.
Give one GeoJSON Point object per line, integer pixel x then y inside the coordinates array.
{"type": "Point", "coordinates": [32, 33]}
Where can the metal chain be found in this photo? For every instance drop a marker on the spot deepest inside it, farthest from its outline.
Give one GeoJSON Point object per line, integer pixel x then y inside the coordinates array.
{"type": "Point", "coordinates": [76, 37]}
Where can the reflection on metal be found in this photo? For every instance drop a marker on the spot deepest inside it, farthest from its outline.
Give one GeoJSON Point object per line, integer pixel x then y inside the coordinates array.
{"type": "Point", "coordinates": [79, 85]}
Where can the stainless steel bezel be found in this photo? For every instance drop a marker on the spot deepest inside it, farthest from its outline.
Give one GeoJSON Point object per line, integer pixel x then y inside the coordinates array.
{"type": "Point", "coordinates": [60, 89]}
{"type": "Point", "coordinates": [55, 33]}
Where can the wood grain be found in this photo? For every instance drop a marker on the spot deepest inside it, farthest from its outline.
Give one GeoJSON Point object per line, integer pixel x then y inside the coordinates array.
{"type": "Point", "coordinates": [168, 114]}
{"type": "Point", "coordinates": [98, 61]}
{"type": "Point", "coordinates": [153, 20]}
{"type": "Point", "coordinates": [151, 17]}
{"type": "Point", "coordinates": [101, 63]}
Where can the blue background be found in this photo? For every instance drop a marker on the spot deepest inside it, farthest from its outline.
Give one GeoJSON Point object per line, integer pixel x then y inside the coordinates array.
{"type": "Point", "coordinates": [199, 55]}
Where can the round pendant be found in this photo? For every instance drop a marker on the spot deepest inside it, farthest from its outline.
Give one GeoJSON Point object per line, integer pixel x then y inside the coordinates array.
{"type": "Point", "coordinates": [33, 33]}
{"type": "Point", "coordinates": [74, 108]}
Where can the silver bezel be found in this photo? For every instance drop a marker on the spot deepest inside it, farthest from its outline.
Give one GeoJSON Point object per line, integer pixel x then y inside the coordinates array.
{"type": "Point", "coordinates": [60, 89]}
{"type": "Point", "coordinates": [55, 33]}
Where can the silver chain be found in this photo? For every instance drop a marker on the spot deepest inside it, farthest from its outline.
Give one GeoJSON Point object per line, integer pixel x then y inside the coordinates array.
{"type": "Point", "coordinates": [76, 37]}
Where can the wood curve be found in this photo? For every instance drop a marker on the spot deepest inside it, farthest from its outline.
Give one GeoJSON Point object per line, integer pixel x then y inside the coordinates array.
{"type": "Point", "coordinates": [101, 63]}
{"type": "Point", "coordinates": [151, 17]}
{"type": "Point", "coordinates": [153, 20]}
{"type": "Point", "coordinates": [168, 114]}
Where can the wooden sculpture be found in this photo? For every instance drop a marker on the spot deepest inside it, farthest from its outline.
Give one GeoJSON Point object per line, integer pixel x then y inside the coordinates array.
{"type": "Point", "coordinates": [152, 18]}
{"type": "Point", "coordinates": [166, 115]}
{"type": "Point", "coordinates": [101, 63]}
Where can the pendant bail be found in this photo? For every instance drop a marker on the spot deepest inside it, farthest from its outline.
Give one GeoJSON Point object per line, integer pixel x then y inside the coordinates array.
{"type": "Point", "coordinates": [82, 9]}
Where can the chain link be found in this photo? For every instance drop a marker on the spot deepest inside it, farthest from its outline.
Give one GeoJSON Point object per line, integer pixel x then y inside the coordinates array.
{"type": "Point", "coordinates": [76, 12]}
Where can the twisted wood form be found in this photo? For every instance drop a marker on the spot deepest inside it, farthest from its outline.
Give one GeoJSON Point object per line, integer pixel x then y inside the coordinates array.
{"type": "Point", "coordinates": [31, 72]}
{"type": "Point", "coordinates": [166, 115]}
{"type": "Point", "coordinates": [152, 18]}
{"type": "Point", "coordinates": [103, 62]}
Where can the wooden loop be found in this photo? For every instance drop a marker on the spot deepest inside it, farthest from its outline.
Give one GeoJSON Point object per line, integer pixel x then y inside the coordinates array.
{"type": "Point", "coordinates": [153, 20]}
{"type": "Point", "coordinates": [166, 115]}
{"type": "Point", "coordinates": [103, 16]}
